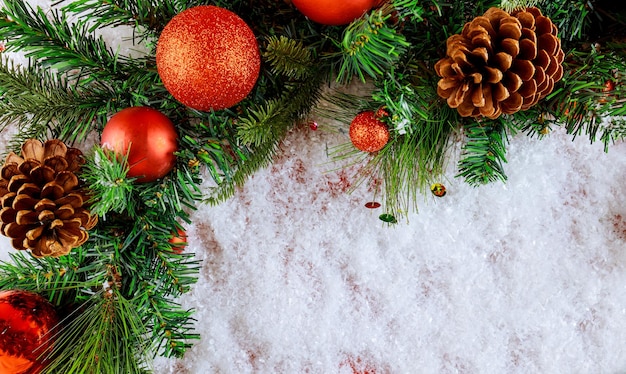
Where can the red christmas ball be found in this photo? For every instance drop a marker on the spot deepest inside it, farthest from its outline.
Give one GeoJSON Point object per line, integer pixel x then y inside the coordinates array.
{"type": "Point", "coordinates": [208, 58]}
{"type": "Point", "coordinates": [151, 137]}
{"type": "Point", "coordinates": [368, 133]}
{"type": "Point", "coordinates": [27, 324]}
{"type": "Point", "coordinates": [334, 12]}
{"type": "Point", "coordinates": [178, 241]}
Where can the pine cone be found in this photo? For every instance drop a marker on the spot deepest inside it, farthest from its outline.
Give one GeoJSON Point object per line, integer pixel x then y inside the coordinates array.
{"type": "Point", "coordinates": [500, 63]}
{"type": "Point", "coordinates": [43, 208]}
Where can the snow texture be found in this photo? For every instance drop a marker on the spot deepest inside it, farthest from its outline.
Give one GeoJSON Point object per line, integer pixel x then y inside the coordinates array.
{"type": "Point", "coordinates": [526, 276]}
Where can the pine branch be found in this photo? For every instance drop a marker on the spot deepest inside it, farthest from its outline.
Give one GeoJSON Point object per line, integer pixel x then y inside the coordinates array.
{"type": "Point", "coordinates": [59, 280]}
{"type": "Point", "coordinates": [110, 189]}
{"type": "Point", "coordinates": [44, 105]}
{"type": "Point", "coordinates": [581, 100]}
{"type": "Point", "coordinates": [370, 47]}
{"type": "Point", "coordinates": [279, 116]}
{"type": "Point", "coordinates": [145, 15]}
{"type": "Point", "coordinates": [484, 152]}
{"type": "Point", "coordinates": [100, 338]}
{"type": "Point", "coordinates": [54, 42]}
{"type": "Point", "coordinates": [289, 57]}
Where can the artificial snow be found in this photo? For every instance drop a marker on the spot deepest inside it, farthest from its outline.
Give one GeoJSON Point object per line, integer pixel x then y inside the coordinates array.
{"type": "Point", "coordinates": [527, 276]}
{"type": "Point", "coordinates": [517, 277]}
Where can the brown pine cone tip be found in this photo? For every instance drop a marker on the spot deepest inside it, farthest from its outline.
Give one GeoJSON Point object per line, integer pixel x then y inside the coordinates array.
{"type": "Point", "coordinates": [42, 203]}
{"type": "Point", "coordinates": [500, 63]}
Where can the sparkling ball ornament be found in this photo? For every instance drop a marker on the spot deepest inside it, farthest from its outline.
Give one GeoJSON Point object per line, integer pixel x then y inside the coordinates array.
{"type": "Point", "coordinates": [43, 204]}
{"type": "Point", "coordinates": [208, 58]}
{"type": "Point", "coordinates": [368, 133]}
{"type": "Point", "coordinates": [334, 12]}
{"type": "Point", "coordinates": [28, 323]}
{"type": "Point", "coordinates": [151, 137]}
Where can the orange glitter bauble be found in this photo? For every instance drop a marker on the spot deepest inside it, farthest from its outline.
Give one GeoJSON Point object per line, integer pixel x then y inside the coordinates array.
{"type": "Point", "coordinates": [208, 58]}
{"type": "Point", "coordinates": [368, 133]}
{"type": "Point", "coordinates": [27, 323]}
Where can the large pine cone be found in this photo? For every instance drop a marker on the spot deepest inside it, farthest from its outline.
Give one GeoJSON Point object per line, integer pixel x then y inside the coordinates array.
{"type": "Point", "coordinates": [42, 205]}
{"type": "Point", "coordinates": [500, 63]}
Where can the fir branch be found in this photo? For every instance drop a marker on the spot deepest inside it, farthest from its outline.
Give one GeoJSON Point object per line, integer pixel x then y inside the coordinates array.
{"type": "Point", "coordinates": [52, 41]}
{"type": "Point", "coordinates": [264, 123]}
{"type": "Point", "coordinates": [370, 47]}
{"type": "Point", "coordinates": [144, 15]}
{"type": "Point", "coordinates": [110, 189]}
{"type": "Point", "coordinates": [44, 105]}
{"type": "Point", "coordinates": [59, 280]}
{"type": "Point", "coordinates": [279, 115]}
{"type": "Point", "coordinates": [484, 152]}
{"type": "Point", "coordinates": [581, 102]}
{"type": "Point", "coordinates": [289, 57]}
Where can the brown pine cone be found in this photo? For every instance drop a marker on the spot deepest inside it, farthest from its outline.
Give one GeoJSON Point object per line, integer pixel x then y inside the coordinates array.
{"type": "Point", "coordinates": [43, 208]}
{"type": "Point", "coordinates": [500, 63]}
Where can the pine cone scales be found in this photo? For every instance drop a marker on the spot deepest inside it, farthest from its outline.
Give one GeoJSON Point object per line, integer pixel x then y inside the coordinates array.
{"type": "Point", "coordinates": [42, 205]}
{"type": "Point", "coordinates": [500, 63]}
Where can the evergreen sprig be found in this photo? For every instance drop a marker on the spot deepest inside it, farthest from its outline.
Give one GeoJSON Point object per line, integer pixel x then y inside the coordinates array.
{"type": "Point", "coordinates": [484, 153]}
{"type": "Point", "coordinates": [370, 47]}
{"type": "Point", "coordinates": [45, 105]}
{"type": "Point", "coordinates": [51, 39]}
{"type": "Point", "coordinates": [289, 57]}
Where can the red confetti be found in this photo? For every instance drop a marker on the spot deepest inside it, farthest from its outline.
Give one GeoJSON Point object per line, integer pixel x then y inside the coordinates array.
{"type": "Point", "coordinates": [372, 205]}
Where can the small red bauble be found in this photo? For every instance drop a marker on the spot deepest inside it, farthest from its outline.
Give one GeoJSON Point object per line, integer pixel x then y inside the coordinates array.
{"type": "Point", "coordinates": [334, 12]}
{"type": "Point", "coordinates": [368, 133]}
{"type": "Point", "coordinates": [178, 241]}
{"type": "Point", "coordinates": [208, 58]}
{"type": "Point", "coordinates": [27, 325]}
{"type": "Point", "coordinates": [151, 137]}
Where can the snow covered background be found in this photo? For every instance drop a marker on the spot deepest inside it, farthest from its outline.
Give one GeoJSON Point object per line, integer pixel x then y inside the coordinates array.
{"type": "Point", "coordinates": [523, 277]}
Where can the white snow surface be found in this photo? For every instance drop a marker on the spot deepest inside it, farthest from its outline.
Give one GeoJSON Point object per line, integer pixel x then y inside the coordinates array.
{"type": "Point", "coordinates": [523, 277]}
{"type": "Point", "coordinates": [527, 276]}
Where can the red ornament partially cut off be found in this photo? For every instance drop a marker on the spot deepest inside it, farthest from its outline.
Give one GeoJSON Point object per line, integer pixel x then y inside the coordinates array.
{"type": "Point", "coordinates": [334, 12]}
{"type": "Point", "coordinates": [27, 326]}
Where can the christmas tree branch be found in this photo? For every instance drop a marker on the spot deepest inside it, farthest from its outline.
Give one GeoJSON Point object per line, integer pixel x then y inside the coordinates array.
{"type": "Point", "coordinates": [42, 104]}
{"type": "Point", "coordinates": [144, 15]}
{"type": "Point", "coordinates": [484, 152]}
{"type": "Point", "coordinates": [54, 42]}
{"type": "Point", "coordinates": [370, 47]}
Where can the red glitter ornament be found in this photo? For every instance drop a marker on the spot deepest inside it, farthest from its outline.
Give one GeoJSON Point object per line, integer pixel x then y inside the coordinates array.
{"type": "Point", "coordinates": [334, 12]}
{"type": "Point", "coordinates": [27, 323]}
{"type": "Point", "coordinates": [208, 58]}
{"type": "Point", "coordinates": [368, 133]}
{"type": "Point", "coordinates": [151, 137]}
